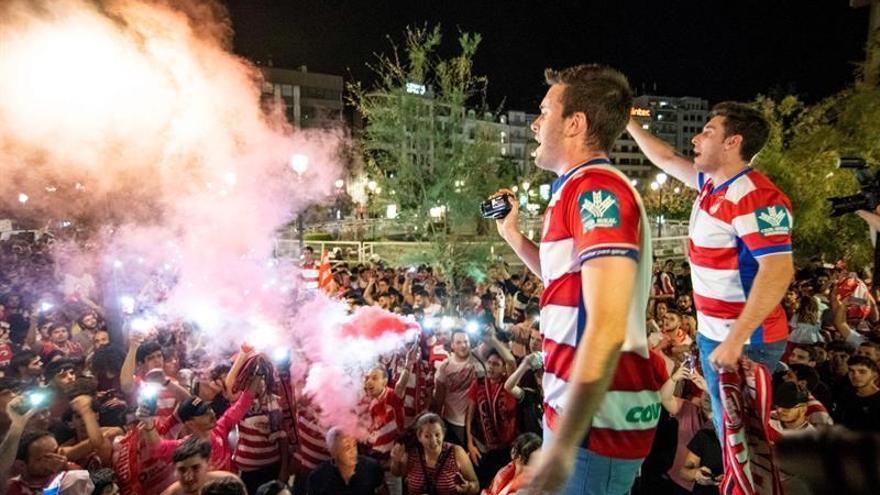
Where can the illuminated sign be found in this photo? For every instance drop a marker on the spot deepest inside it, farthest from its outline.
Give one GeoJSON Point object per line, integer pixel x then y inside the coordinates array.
{"type": "Point", "coordinates": [640, 112]}
{"type": "Point", "coordinates": [414, 88]}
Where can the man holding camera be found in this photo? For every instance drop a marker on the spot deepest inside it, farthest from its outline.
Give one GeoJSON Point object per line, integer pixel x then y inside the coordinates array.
{"type": "Point", "coordinates": [595, 262]}
{"type": "Point", "coordinates": [740, 241]}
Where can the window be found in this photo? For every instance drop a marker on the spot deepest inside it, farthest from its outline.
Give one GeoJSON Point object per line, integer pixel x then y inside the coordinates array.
{"type": "Point", "coordinates": [286, 90]}
{"type": "Point", "coordinates": [321, 93]}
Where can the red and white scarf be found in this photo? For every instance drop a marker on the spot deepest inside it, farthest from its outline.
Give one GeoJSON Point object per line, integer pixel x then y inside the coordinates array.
{"type": "Point", "coordinates": [749, 468]}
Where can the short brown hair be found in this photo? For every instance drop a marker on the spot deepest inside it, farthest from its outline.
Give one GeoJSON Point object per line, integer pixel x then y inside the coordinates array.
{"type": "Point", "coordinates": [745, 121]}
{"type": "Point", "coordinates": [601, 93]}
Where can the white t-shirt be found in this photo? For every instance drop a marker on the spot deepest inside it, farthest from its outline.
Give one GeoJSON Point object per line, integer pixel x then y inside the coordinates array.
{"type": "Point", "coordinates": [458, 377]}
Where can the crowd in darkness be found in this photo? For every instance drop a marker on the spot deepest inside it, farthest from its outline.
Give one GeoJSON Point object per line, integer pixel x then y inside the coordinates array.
{"type": "Point", "coordinates": [94, 409]}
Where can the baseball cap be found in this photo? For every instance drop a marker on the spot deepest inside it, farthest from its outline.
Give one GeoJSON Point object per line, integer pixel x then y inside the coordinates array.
{"type": "Point", "coordinates": [788, 395]}
{"type": "Point", "coordinates": [191, 408]}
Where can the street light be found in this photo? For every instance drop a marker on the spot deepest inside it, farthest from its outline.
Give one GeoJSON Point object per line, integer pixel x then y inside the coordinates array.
{"type": "Point", "coordinates": [661, 178]}
{"type": "Point", "coordinates": [339, 183]}
{"type": "Point", "coordinates": [526, 186]}
{"type": "Point", "coordinates": [657, 185]}
{"type": "Point", "coordinates": [299, 163]}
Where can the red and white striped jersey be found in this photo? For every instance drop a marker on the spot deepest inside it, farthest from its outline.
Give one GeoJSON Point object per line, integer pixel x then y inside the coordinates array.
{"type": "Point", "coordinates": [258, 436]}
{"type": "Point", "coordinates": [309, 274]}
{"type": "Point", "coordinates": [166, 403]}
{"type": "Point", "coordinates": [595, 212]}
{"type": "Point", "coordinates": [310, 449]}
{"type": "Point", "coordinates": [386, 424]}
{"type": "Point", "coordinates": [731, 227]}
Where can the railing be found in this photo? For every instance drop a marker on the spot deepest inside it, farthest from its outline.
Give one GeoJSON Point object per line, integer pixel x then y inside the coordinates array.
{"type": "Point", "coordinates": [361, 252]}
{"type": "Point", "coordinates": [352, 229]}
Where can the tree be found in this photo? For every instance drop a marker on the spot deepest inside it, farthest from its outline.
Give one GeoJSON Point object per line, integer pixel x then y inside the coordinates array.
{"type": "Point", "coordinates": [801, 158]}
{"type": "Point", "coordinates": [427, 152]}
{"type": "Point", "coordinates": [675, 205]}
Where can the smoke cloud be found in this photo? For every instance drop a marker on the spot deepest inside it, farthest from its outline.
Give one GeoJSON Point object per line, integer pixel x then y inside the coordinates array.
{"type": "Point", "coordinates": [135, 115]}
{"type": "Point", "coordinates": [135, 118]}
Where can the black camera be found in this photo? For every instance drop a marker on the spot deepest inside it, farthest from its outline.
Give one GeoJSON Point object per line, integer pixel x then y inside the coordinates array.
{"type": "Point", "coordinates": [868, 196]}
{"type": "Point", "coordinates": [496, 207]}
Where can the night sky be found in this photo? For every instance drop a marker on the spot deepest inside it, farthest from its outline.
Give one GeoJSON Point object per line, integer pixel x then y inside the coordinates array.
{"type": "Point", "coordinates": [715, 49]}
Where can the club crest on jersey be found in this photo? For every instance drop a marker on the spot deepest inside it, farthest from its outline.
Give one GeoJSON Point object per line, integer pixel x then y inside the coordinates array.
{"type": "Point", "coordinates": [773, 220]}
{"type": "Point", "coordinates": [598, 209]}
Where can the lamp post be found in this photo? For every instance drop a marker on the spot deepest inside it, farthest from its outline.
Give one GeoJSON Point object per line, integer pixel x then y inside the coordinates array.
{"type": "Point", "coordinates": [372, 187]}
{"type": "Point", "coordinates": [657, 185]}
{"type": "Point", "coordinates": [300, 164]}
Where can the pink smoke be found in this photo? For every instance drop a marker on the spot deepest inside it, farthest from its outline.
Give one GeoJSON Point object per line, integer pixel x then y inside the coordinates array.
{"type": "Point", "coordinates": [338, 348]}
{"type": "Point", "coordinates": [135, 114]}
{"type": "Point", "coordinates": [372, 322]}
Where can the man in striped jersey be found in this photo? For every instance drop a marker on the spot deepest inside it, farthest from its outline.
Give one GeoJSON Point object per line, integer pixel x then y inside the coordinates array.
{"type": "Point", "coordinates": [310, 449]}
{"type": "Point", "coordinates": [309, 273]}
{"type": "Point", "coordinates": [595, 262]}
{"type": "Point", "coordinates": [739, 241]}
{"type": "Point", "coordinates": [261, 453]}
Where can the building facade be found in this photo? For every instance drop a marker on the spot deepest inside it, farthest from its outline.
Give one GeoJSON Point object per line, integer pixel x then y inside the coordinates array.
{"type": "Point", "coordinates": [676, 120]}
{"type": "Point", "coordinates": [309, 99]}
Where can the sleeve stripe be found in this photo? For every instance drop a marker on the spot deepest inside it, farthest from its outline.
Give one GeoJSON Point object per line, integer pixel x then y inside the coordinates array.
{"type": "Point", "coordinates": [785, 248]}
{"type": "Point", "coordinates": [610, 251]}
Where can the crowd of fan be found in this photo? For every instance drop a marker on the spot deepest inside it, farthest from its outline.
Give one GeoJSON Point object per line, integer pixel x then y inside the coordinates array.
{"type": "Point", "coordinates": [459, 411]}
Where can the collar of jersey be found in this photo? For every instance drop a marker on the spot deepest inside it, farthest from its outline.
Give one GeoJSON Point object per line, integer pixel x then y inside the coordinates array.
{"type": "Point", "coordinates": [560, 181]}
{"type": "Point", "coordinates": [730, 180]}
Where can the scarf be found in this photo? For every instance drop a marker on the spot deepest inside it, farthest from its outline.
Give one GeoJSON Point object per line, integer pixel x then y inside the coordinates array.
{"type": "Point", "coordinates": [749, 468]}
{"type": "Point", "coordinates": [126, 463]}
{"type": "Point", "coordinates": [490, 414]}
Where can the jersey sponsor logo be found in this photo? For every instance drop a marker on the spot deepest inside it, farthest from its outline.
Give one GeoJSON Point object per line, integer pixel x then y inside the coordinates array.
{"type": "Point", "coordinates": [773, 220]}
{"type": "Point", "coordinates": [646, 414]}
{"type": "Point", "coordinates": [598, 209]}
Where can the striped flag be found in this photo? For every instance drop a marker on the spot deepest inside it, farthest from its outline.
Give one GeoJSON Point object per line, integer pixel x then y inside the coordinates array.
{"type": "Point", "coordinates": [324, 273]}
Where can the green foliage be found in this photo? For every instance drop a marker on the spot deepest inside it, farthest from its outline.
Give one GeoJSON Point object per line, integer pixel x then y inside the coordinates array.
{"type": "Point", "coordinates": [318, 236]}
{"type": "Point", "coordinates": [457, 260]}
{"type": "Point", "coordinates": [423, 150]}
{"type": "Point", "coordinates": [674, 205]}
{"type": "Point", "coordinates": [801, 156]}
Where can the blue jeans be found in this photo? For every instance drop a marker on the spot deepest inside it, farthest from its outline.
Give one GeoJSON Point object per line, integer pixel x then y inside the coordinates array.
{"type": "Point", "coordinates": [766, 354]}
{"type": "Point", "coordinates": [595, 474]}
